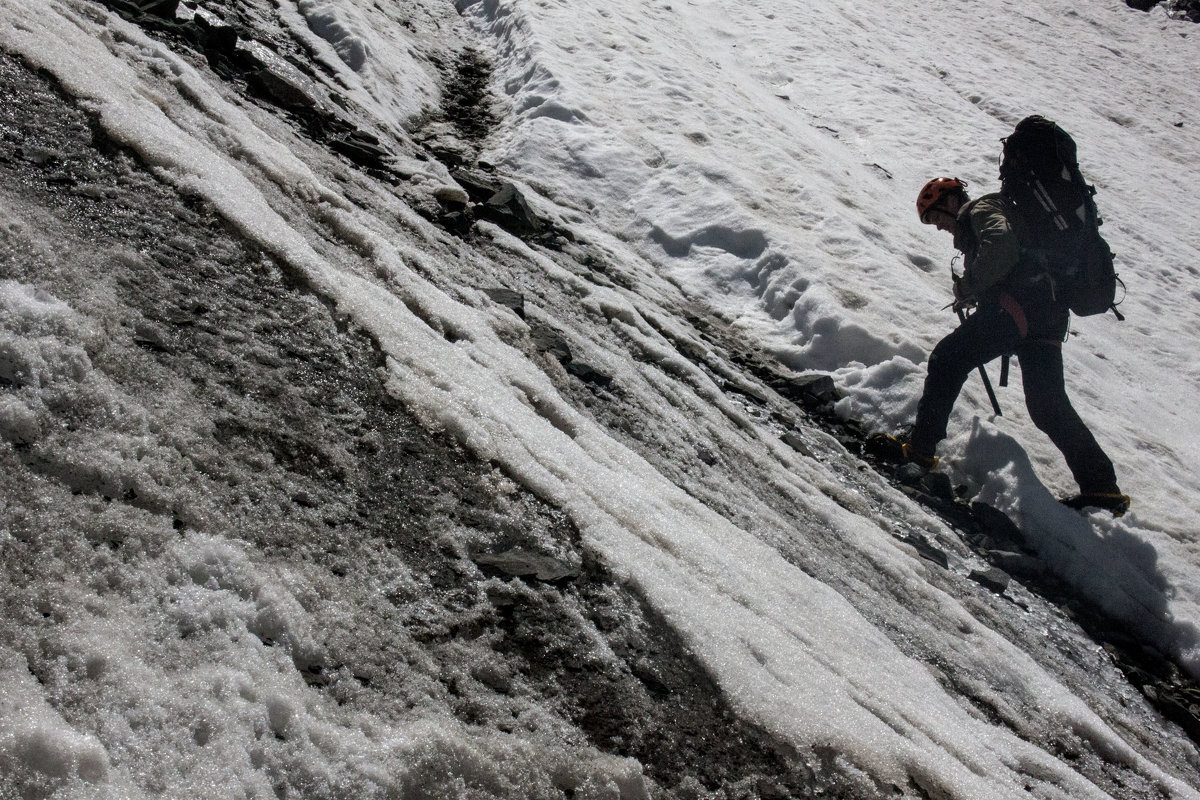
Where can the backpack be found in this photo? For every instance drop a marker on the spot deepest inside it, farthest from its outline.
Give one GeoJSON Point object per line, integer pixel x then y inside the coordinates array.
{"type": "Point", "coordinates": [1057, 221]}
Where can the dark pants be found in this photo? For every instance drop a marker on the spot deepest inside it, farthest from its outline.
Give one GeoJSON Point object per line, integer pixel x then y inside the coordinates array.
{"type": "Point", "coordinates": [989, 334]}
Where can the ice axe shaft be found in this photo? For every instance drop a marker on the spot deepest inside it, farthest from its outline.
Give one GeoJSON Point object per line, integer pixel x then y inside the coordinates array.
{"type": "Point", "coordinates": [987, 384]}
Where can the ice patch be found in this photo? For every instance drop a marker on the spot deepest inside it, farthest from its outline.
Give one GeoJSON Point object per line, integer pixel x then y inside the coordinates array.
{"type": "Point", "coordinates": [36, 739]}
{"type": "Point", "coordinates": [327, 20]}
{"type": "Point", "coordinates": [1106, 560]}
{"type": "Point", "coordinates": [883, 396]}
{"type": "Point", "coordinates": [742, 243]}
{"type": "Point", "coordinates": [829, 342]}
{"type": "Point", "coordinates": [236, 593]}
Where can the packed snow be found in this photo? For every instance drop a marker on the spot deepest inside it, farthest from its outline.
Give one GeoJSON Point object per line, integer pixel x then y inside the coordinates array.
{"type": "Point", "coordinates": [759, 160]}
{"type": "Point", "coordinates": [768, 158]}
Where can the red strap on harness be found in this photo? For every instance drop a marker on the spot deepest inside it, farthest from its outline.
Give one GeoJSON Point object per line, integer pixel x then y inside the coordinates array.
{"type": "Point", "coordinates": [1009, 304]}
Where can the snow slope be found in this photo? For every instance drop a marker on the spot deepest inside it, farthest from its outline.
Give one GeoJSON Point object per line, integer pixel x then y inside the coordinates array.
{"type": "Point", "coordinates": [759, 161]}
{"type": "Point", "coordinates": [767, 157]}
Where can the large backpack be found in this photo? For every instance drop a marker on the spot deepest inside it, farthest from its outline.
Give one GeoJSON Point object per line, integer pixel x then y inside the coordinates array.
{"type": "Point", "coordinates": [1057, 220]}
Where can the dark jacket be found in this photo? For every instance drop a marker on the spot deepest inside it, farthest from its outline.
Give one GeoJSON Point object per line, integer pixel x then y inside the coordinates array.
{"type": "Point", "coordinates": [996, 269]}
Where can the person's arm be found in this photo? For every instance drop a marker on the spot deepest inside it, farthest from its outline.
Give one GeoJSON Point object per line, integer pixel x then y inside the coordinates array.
{"type": "Point", "coordinates": [998, 250]}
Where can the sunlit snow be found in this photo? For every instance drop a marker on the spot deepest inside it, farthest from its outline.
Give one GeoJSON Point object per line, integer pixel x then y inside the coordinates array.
{"type": "Point", "coordinates": [757, 159]}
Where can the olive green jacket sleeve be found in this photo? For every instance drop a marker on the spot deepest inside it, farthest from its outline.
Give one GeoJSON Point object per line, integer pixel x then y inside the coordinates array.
{"type": "Point", "coordinates": [996, 248]}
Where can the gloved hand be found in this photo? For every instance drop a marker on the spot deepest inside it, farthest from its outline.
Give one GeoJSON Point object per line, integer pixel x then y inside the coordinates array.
{"type": "Point", "coordinates": [963, 299]}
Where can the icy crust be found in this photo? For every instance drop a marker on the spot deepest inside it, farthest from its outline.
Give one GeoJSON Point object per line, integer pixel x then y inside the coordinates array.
{"type": "Point", "coordinates": [141, 661]}
{"type": "Point", "coordinates": [790, 652]}
{"type": "Point", "coordinates": [346, 39]}
{"type": "Point", "coordinates": [656, 162]}
{"type": "Point", "coordinates": [224, 711]}
{"type": "Point", "coordinates": [1106, 560]}
{"type": "Point", "coordinates": [766, 158]}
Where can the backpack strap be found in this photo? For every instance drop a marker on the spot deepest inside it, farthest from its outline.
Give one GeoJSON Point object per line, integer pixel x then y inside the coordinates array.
{"type": "Point", "coordinates": [1014, 310]}
{"type": "Point", "coordinates": [1035, 268]}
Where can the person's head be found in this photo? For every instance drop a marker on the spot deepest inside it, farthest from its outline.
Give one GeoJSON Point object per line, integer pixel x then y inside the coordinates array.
{"type": "Point", "coordinates": [939, 202]}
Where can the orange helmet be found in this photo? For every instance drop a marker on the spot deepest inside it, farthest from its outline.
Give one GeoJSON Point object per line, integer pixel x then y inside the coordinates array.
{"type": "Point", "coordinates": [931, 196]}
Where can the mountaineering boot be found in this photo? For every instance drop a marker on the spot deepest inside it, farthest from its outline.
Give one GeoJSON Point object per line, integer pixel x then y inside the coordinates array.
{"type": "Point", "coordinates": [1113, 502]}
{"type": "Point", "coordinates": [888, 448]}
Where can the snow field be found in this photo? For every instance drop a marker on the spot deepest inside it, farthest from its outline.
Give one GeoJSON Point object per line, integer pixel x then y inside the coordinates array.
{"type": "Point", "coordinates": [222, 709]}
{"type": "Point", "coordinates": [807, 130]}
{"type": "Point", "coordinates": [792, 653]}
{"type": "Point", "coordinates": [185, 656]}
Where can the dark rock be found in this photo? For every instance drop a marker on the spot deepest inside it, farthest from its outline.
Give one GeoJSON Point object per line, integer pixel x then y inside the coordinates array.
{"type": "Point", "coordinates": [127, 9]}
{"type": "Point", "coordinates": [997, 525]}
{"type": "Point", "coordinates": [547, 341]}
{"type": "Point", "coordinates": [222, 39]}
{"type": "Point", "coordinates": [811, 390]}
{"type": "Point", "coordinates": [457, 222]}
{"type": "Point", "coordinates": [150, 337]}
{"type": "Point", "coordinates": [133, 9]}
{"type": "Point", "coordinates": [160, 8]}
{"type": "Point", "coordinates": [994, 579]}
{"type": "Point", "coordinates": [938, 484]}
{"type": "Point", "coordinates": [509, 209]}
{"type": "Point", "coordinates": [911, 474]}
{"type": "Point", "coordinates": [509, 298]}
{"type": "Point", "coordinates": [1018, 564]}
{"type": "Point", "coordinates": [1189, 10]}
{"type": "Point", "coordinates": [362, 148]}
{"type": "Point", "coordinates": [1176, 706]}
{"type": "Point", "coordinates": [478, 187]}
{"type": "Point", "coordinates": [797, 443]}
{"type": "Point", "coordinates": [587, 373]}
{"type": "Point", "coordinates": [1142, 5]}
{"type": "Point", "coordinates": [649, 673]}
{"type": "Point", "coordinates": [927, 551]}
{"type": "Point", "coordinates": [279, 90]}
{"type": "Point", "coordinates": [523, 564]}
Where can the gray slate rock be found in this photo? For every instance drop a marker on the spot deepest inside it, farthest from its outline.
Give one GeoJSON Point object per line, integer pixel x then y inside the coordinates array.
{"type": "Point", "coordinates": [993, 579]}
{"type": "Point", "coordinates": [510, 299]}
{"type": "Point", "coordinates": [547, 341]}
{"type": "Point", "coordinates": [810, 390]}
{"type": "Point", "coordinates": [522, 564]}
{"type": "Point", "coordinates": [509, 209]}
{"type": "Point", "coordinates": [997, 525]}
{"type": "Point", "coordinates": [1017, 563]}
{"type": "Point", "coordinates": [279, 90]}
{"type": "Point", "coordinates": [362, 148]}
{"type": "Point", "coordinates": [797, 443]}
{"type": "Point", "coordinates": [479, 188]}
{"type": "Point", "coordinates": [927, 551]}
{"type": "Point", "coordinates": [588, 373]}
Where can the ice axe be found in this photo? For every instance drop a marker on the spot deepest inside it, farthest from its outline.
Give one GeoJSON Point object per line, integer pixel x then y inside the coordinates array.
{"type": "Point", "coordinates": [987, 384]}
{"type": "Point", "coordinates": [962, 317]}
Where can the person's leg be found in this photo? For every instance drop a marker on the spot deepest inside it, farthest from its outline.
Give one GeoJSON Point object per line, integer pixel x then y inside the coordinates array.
{"type": "Point", "coordinates": [1051, 410]}
{"type": "Point", "coordinates": [985, 335]}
